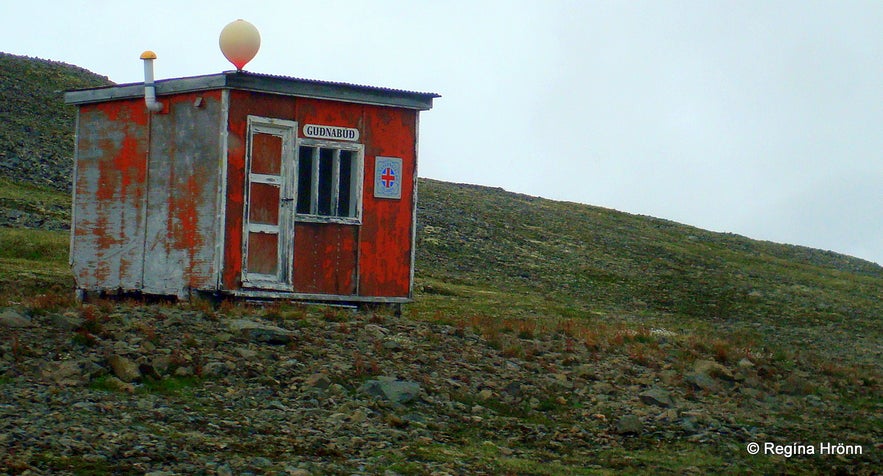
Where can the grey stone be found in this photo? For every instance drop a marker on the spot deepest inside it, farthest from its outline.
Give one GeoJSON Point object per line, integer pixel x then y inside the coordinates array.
{"type": "Point", "coordinates": [261, 462]}
{"type": "Point", "coordinates": [14, 319]}
{"type": "Point", "coordinates": [184, 371]}
{"type": "Point", "coordinates": [214, 369]}
{"type": "Point", "coordinates": [629, 425]}
{"type": "Point", "coordinates": [118, 385]}
{"type": "Point", "coordinates": [67, 321]}
{"type": "Point", "coordinates": [702, 381]}
{"type": "Point", "coordinates": [291, 471]}
{"type": "Point", "coordinates": [657, 396]}
{"type": "Point", "coordinates": [744, 363]}
{"type": "Point", "coordinates": [392, 345]}
{"type": "Point", "coordinates": [68, 372]}
{"type": "Point", "coordinates": [320, 381]}
{"type": "Point", "coordinates": [261, 333]}
{"type": "Point", "coordinates": [246, 353]}
{"type": "Point", "coordinates": [713, 369]}
{"type": "Point", "coordinates": [124, 369]}
{"type": "Point", "coordinates": [396, 391]}
{"type": "Point", "coordinates": [513, 389]}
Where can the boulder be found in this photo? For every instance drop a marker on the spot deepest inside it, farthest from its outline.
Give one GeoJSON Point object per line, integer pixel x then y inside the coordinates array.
{"type": "Point", "coordinates": [67, 372]}
{"type": "Point", "coordinates": [261, 333]}
{"type": "Point", "coordinates": [396, 391]}
{"type": "Point", "coordinates": [702, 381]}
{"type": "Point", "coordinates": [713, 369]}
{"type": "Point", "coordinates": [124, 369]}
{"type": "Point", "coordinates": [657, 396]}
{"type": "Point", "coordinates": [629, 425]}
{"type": "Point", "coordinates": [11, 318]}
{"type": "Point", "coordinates": [319, 381]}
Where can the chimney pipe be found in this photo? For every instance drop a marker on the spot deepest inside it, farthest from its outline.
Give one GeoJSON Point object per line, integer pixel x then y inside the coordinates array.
{"type": "Point", "coordinates": [149, 87]}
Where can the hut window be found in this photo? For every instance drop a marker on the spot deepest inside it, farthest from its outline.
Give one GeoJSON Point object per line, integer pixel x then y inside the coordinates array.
{"type": "Point", "coordinates": [328, 181]}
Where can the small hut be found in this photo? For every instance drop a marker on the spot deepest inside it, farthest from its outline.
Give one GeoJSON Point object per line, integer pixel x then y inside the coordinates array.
{"type": "Point", "coordinates": [246, 184]}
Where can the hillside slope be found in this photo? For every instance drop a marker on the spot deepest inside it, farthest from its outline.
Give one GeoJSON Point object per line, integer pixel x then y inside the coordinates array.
{"type": "Point", "coordinates": [36, 128]}
{"type": "Point", "coordinates": [545, 338]}
{"type": "Point", "coordinates": [590, 261]}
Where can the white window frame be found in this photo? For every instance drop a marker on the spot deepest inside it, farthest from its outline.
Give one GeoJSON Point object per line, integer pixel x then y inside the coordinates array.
{"type": "Point", "coordinates": [356, 181]}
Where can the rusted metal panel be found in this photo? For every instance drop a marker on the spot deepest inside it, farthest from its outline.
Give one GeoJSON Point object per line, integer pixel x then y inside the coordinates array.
{"type": "Point", "coordinates": [242, 104]}
{"type": "Point", "coordinates": [145, 196]}
{"type": "Point", "coordinates": [326, 248]}
{"type": "Point", "coordinates": [110, 188]}
{"type": "Point", "coordinates": [325, 258]}
{"type": "Point", "coordinates": [221, 200]}
{"type": "Point", "coordinates": [386, 236]}
{"type": "Point", "coordinates": [179, 251]}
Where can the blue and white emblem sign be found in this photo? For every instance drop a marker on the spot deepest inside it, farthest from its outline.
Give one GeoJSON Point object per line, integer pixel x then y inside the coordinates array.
{"type": "Point", "coordinates": [388, 177]}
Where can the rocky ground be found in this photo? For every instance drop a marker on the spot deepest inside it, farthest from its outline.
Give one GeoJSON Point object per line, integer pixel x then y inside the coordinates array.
{"type": "Point", "coordinates": [126, 388]}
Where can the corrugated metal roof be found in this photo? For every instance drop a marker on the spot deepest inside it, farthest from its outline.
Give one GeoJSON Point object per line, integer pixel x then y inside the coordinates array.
{"type": "Point", "coordinates": [261, 83]}
{"type": "Point", "coordinates": [334, 83]}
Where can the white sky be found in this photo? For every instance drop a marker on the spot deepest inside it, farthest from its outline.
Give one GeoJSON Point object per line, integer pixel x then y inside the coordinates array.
{"type": "Point", "coordinates": [763, 118]}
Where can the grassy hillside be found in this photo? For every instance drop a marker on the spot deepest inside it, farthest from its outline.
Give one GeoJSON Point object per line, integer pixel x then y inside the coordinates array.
{"type": "Point", "coordinates": [578, 260]}
{"type": "Point", "coordinates": [36, 128]}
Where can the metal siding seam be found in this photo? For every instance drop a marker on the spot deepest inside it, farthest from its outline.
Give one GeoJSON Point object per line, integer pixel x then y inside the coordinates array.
{"type": "Point", "coordinates": [414, 207]}
{"type": "Point", "coordinates": [146, 199]}
{"type": "Point", "coordinates": [358, 259]}
{"type": "Point", "coordinates": [73, 232]}
{"type": "Point", "coordinates": [359, 206]}
{"type": "Point", "coordinates": [221, 200]}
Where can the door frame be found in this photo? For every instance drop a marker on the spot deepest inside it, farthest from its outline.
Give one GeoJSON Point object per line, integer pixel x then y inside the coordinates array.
{"type": "Point", "coordinates": [287, 131]}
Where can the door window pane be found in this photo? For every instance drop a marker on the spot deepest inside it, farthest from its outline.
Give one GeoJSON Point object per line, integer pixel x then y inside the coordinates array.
{"type": "Point", "coordinates": [266, 154]}
{"type": "Point", "coordinates": [344, 200]}
{"type": "Point", "coordinates": [326, 163]}
{"type": "Point", "coordinates": [304, 179]}
{"type": "Point", "coordinates": [263, 206]}
{"type": "Point", "coordinates": [263, 253]}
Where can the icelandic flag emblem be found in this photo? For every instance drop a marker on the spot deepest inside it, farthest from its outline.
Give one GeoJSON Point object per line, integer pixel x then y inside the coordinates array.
{"type": "Point", "coordinates": [388, 177]}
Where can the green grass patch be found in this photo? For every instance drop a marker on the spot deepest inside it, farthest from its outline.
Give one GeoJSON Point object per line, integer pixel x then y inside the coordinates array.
{"type": "Point", "coordinates": [34, 245]}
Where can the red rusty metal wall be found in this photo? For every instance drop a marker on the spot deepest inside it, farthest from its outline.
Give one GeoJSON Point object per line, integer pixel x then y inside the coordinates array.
{"type": "Point", "coordinates": [182, 206]}
{"type": "Point", "coordinates": [109, 189]}
{"type": "Point", "coordinates": [147, 223]}
{"type": "Point", "coordinates": [326, 254]}
{"type": "Point", "coordinates": [242, 104]}
{"type": "Point", "coordinates": [386, 228]}
{"type": "Point", "coordinates": [325, 258]}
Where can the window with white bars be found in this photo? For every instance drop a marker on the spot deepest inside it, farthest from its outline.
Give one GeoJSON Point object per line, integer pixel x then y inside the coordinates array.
{"type": "Point", "coordinates": [329, 181]}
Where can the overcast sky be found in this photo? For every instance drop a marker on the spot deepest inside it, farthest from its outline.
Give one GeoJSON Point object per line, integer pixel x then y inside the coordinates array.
{"type": "Point", "coordinates": [762, 118]}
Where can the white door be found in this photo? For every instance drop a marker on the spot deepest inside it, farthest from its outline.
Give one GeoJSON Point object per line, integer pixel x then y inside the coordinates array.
{"type": "Point", "coordinates": [268, 232]}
